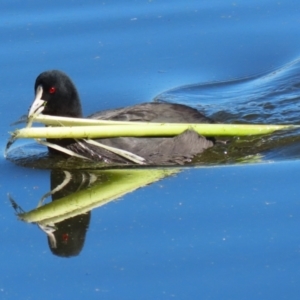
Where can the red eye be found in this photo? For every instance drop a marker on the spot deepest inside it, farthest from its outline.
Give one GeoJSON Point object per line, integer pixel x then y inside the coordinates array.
{"type": "Point", "coordinates": [52, 90]}
{"type": "Point", "coordinates": [65, 237]}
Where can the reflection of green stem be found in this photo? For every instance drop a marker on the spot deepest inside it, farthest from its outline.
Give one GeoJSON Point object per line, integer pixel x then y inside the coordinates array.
{"type": "Point", "coordinates": [117, 184]}
{"type": "Point", "coordinates": [147, 129]}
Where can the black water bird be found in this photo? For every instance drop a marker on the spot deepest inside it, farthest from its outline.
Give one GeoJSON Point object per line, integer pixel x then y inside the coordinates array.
{"type": "Point", "coordinates": [56, 95]}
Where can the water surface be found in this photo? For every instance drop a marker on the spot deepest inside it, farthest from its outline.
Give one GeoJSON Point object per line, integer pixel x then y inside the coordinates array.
{"type": "Point", "coordinates": [211, 232]}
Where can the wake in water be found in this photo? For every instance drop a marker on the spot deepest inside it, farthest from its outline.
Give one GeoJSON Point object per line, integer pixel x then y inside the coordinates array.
{"type": "Point", "coordinates": [271, 98]}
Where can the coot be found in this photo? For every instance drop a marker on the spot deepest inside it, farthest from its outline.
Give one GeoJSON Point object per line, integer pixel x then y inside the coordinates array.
{"type": "Point", "coordinates": [56, 95]}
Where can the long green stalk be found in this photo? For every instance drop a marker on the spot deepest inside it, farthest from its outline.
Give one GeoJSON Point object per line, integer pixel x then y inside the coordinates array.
{"type": "Point", "coordinates": [147, 129]}
{"type": "Point", "coordinates": [65, 121]}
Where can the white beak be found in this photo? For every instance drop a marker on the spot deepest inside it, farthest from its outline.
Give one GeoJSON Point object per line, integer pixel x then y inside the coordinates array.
{"type": "Point", "coordinates": [38, 104]}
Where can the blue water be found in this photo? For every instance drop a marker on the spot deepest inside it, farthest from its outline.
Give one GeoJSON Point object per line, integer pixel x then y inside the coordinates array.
{"type": "Point", "coordinates": [209, 233]}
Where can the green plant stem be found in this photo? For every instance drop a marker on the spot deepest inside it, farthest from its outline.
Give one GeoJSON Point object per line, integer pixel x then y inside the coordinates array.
{"type": "Point", "coordinates": [147, 129]}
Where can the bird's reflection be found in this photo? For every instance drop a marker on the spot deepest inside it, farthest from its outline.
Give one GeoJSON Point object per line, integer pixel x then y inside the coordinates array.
{"type": "Point", "coordinates": [67, 238]}
{"type": "Point", "coordinates": [66, 219]}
